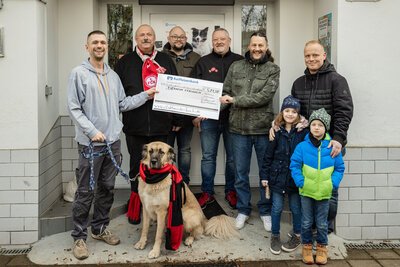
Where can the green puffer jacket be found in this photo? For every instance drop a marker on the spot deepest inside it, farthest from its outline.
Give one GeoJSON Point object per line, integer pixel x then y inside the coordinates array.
{"type": "Point", "coordinates": [252, 87]}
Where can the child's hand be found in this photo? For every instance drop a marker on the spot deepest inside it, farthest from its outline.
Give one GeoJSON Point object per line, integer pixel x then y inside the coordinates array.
{"type": "Point", "coordinates": [264, 183]}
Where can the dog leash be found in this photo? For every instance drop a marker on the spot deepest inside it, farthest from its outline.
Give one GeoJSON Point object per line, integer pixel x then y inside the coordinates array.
{"type": "Point", "coordinates": [92, 155]}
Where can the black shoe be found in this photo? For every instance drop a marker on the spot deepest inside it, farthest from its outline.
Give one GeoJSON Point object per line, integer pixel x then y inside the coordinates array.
{"type": "Point", "coordinates": [275, 244]}
{"type": "Point", "coordinates": [292, 244]}
{"type": "Point", "coordinates": [132, 221]}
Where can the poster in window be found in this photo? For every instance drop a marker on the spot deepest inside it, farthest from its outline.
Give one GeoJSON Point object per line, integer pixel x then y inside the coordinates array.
{"type": "Point", "coordinates": [325, 33]}
{"type": "Point", "coordinates": [198, 29]}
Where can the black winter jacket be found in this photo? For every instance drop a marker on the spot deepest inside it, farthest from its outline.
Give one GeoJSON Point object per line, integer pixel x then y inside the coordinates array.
{"type": "Point", "coordinates": [214, 67]}
{"type": "Point", "coordinates": [326, 89]}
{"type": "Point", "coordinates": [276, 161]}
{"type": "Point", "coordinates": [143, 120]}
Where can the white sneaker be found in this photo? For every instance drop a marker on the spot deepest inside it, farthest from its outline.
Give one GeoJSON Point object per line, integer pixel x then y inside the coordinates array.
{"type": "Point", "coordinates": [240, 220]}
{"type": "Point", "coordinates": [267, 222]}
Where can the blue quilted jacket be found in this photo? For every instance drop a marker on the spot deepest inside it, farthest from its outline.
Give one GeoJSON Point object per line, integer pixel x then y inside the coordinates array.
{"type": "Point", "coordinates": [314, 171]}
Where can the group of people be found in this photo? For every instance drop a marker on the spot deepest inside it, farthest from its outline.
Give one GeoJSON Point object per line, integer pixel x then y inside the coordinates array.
{"type": "Point", "coordinates": [97, 94]}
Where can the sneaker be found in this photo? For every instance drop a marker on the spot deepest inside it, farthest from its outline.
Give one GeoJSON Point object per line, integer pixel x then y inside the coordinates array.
{"type": "Point", "coordinates": [275, 244]}
{"type": "Point", "coordinates": [290, 233]}
{"type": "Point", "coordinates": [231, 198]}
{"type": "Point", "coordinates": [267, 222]}
{"type": "Point", "coordinates": [240, 220]}
{"type": "Point", "coordinates": [80, 249]}
{"type": "Point", "coordinates": [308, 257]}
{"type": "Point", "coordinates": [107, 237]}
{"type": "Point", "coordinates": [205, 199]}
{"type": "Point", "coordinates": [321, 256]}
{"type": "Point", "coordinates": [292, 244]}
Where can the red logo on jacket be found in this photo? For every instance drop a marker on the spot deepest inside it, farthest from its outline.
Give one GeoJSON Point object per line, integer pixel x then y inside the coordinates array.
{"type": "Point", "coordinates": [213, 69]}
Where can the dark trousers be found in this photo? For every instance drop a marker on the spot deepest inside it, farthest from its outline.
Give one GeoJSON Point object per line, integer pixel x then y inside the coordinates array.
{"type": "Point", "coordinates": [333, 204]}
{"type": "Point", "coordinates": [102, 196]}
{"type": "Point", "coordinates": [135, 148]}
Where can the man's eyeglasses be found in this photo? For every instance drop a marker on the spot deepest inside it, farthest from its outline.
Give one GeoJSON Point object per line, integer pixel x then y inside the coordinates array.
{"type": "Point", "coordinates": [175, 37]}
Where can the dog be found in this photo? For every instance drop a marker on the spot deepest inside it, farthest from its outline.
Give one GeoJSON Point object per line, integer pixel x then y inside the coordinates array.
{"type": "Point", "coordinates": [199, 41]}
{"type": "Point", "coordinates": [155, 199]}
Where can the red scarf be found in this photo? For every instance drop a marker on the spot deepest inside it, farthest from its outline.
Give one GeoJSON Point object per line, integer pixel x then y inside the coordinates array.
{"type": "Point", "coordinates": [150, 69]}
{"type": "Point", "coordinates": [174, 232]}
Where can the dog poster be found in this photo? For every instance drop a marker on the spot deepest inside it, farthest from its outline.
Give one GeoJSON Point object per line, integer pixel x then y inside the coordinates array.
{"type": "Point", "coordinates": [198, 31]}
{"type": "Point", "coordinates": [201, 40]}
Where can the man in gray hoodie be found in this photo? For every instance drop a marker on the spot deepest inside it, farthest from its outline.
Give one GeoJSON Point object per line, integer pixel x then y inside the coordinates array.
{"type": "Point", "coordinates": [95, 99]}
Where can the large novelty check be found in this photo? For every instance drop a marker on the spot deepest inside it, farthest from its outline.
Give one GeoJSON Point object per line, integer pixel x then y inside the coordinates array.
{"type": "Point", "coordinates": [188, 96]}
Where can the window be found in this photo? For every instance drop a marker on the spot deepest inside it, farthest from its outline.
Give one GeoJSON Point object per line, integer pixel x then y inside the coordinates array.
{"type": "Point", "coordinates": [119, 21]}
{"type": "Point", "coordinates": [254, 18]}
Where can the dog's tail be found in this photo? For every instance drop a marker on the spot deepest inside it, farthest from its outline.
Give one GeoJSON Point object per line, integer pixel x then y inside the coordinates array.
{"type": "Point", "coordinates": [221, 227]}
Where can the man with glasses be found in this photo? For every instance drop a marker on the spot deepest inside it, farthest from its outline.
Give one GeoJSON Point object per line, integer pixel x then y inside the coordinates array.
{"type": "Point", "coordinates": [185, 59]}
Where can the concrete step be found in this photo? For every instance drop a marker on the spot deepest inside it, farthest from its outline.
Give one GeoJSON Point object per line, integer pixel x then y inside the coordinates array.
{"type": "Point", "coordinates": [59, 217]}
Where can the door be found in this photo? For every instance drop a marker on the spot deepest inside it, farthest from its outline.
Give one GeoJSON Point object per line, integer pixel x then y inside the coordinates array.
{"type": "Point", "coordinates": [190, 18]}
{"type": "Point", "coordinates": [198, 23]}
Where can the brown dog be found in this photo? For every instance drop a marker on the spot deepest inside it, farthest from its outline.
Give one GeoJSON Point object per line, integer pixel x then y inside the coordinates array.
{"type": "Point", "coordinates": [155, 200]}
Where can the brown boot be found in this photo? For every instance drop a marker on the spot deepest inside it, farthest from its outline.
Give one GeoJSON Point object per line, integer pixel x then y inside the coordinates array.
{"type": "Point", "coordinates": [307, 254]}
{"type": "Point", "coordinates": [322, 254]}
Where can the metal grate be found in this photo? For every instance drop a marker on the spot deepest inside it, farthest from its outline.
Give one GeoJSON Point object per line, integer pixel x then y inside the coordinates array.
{"type": "Point", "coordinates": [14, 251]}
{"type": "Point", "coordinates": [371, 245]}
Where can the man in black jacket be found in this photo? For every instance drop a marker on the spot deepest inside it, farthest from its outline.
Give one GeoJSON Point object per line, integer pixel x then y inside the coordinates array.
{"type": "Point", "coordinates": [138, 72]}
{"type": "Point", "coordinates": [323, 87]}
{"type": "Point", "coordinates": [214, 67]}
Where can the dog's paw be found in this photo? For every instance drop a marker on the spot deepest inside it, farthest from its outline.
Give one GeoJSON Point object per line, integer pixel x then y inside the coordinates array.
{"type": "Point", "coordinates": [140, 245]}
{"type": "Point", "coordinates": [189, 241]}
{"type": "Point", "coordinates": [154, 253]}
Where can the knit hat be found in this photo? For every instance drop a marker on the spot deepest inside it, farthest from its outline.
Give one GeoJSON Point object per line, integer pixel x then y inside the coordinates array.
{"type": "Point", "coordinates": [322, 116]}
{"type": "Point", "coordinates": [291, 102]}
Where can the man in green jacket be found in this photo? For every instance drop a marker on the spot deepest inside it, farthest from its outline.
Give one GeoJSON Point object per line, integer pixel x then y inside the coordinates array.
{"type": "Point", "coordinates": [185, 59]}
{"type": "Point", "coordinates": [249, 89]}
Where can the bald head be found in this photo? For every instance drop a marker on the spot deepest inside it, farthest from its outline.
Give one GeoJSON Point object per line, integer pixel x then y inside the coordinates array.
{"type": "Point", "coordinates": [314, 42]}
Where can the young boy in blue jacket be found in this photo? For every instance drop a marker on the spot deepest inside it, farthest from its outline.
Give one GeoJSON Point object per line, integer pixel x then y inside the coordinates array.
{"type": "Point", "coordinates": [316, 173]}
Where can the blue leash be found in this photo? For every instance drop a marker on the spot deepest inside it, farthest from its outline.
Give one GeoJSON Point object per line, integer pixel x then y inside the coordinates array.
{"type": "Point", "coordinates": [92, 155]}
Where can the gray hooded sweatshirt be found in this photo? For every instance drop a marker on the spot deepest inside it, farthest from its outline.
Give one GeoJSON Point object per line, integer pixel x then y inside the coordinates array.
{"type": "Point", "coordinates": [95, 101]}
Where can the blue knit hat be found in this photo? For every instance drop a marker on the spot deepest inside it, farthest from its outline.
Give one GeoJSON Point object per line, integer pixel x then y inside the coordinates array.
{"type": "Point", "coordinates": [291, 102]}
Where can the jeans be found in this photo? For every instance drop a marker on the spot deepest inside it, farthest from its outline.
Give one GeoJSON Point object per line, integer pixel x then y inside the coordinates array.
{"type": "Point", "coordinates": [314, 210]}
{"type": "Point", "coordinates": [210, 133]}
{"type": "Point", "coordinates": [277, 207]}
{"type": "Point", "coordinates": [242, 151]}
{"type": "Point", "coordinates": [183, 138]}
